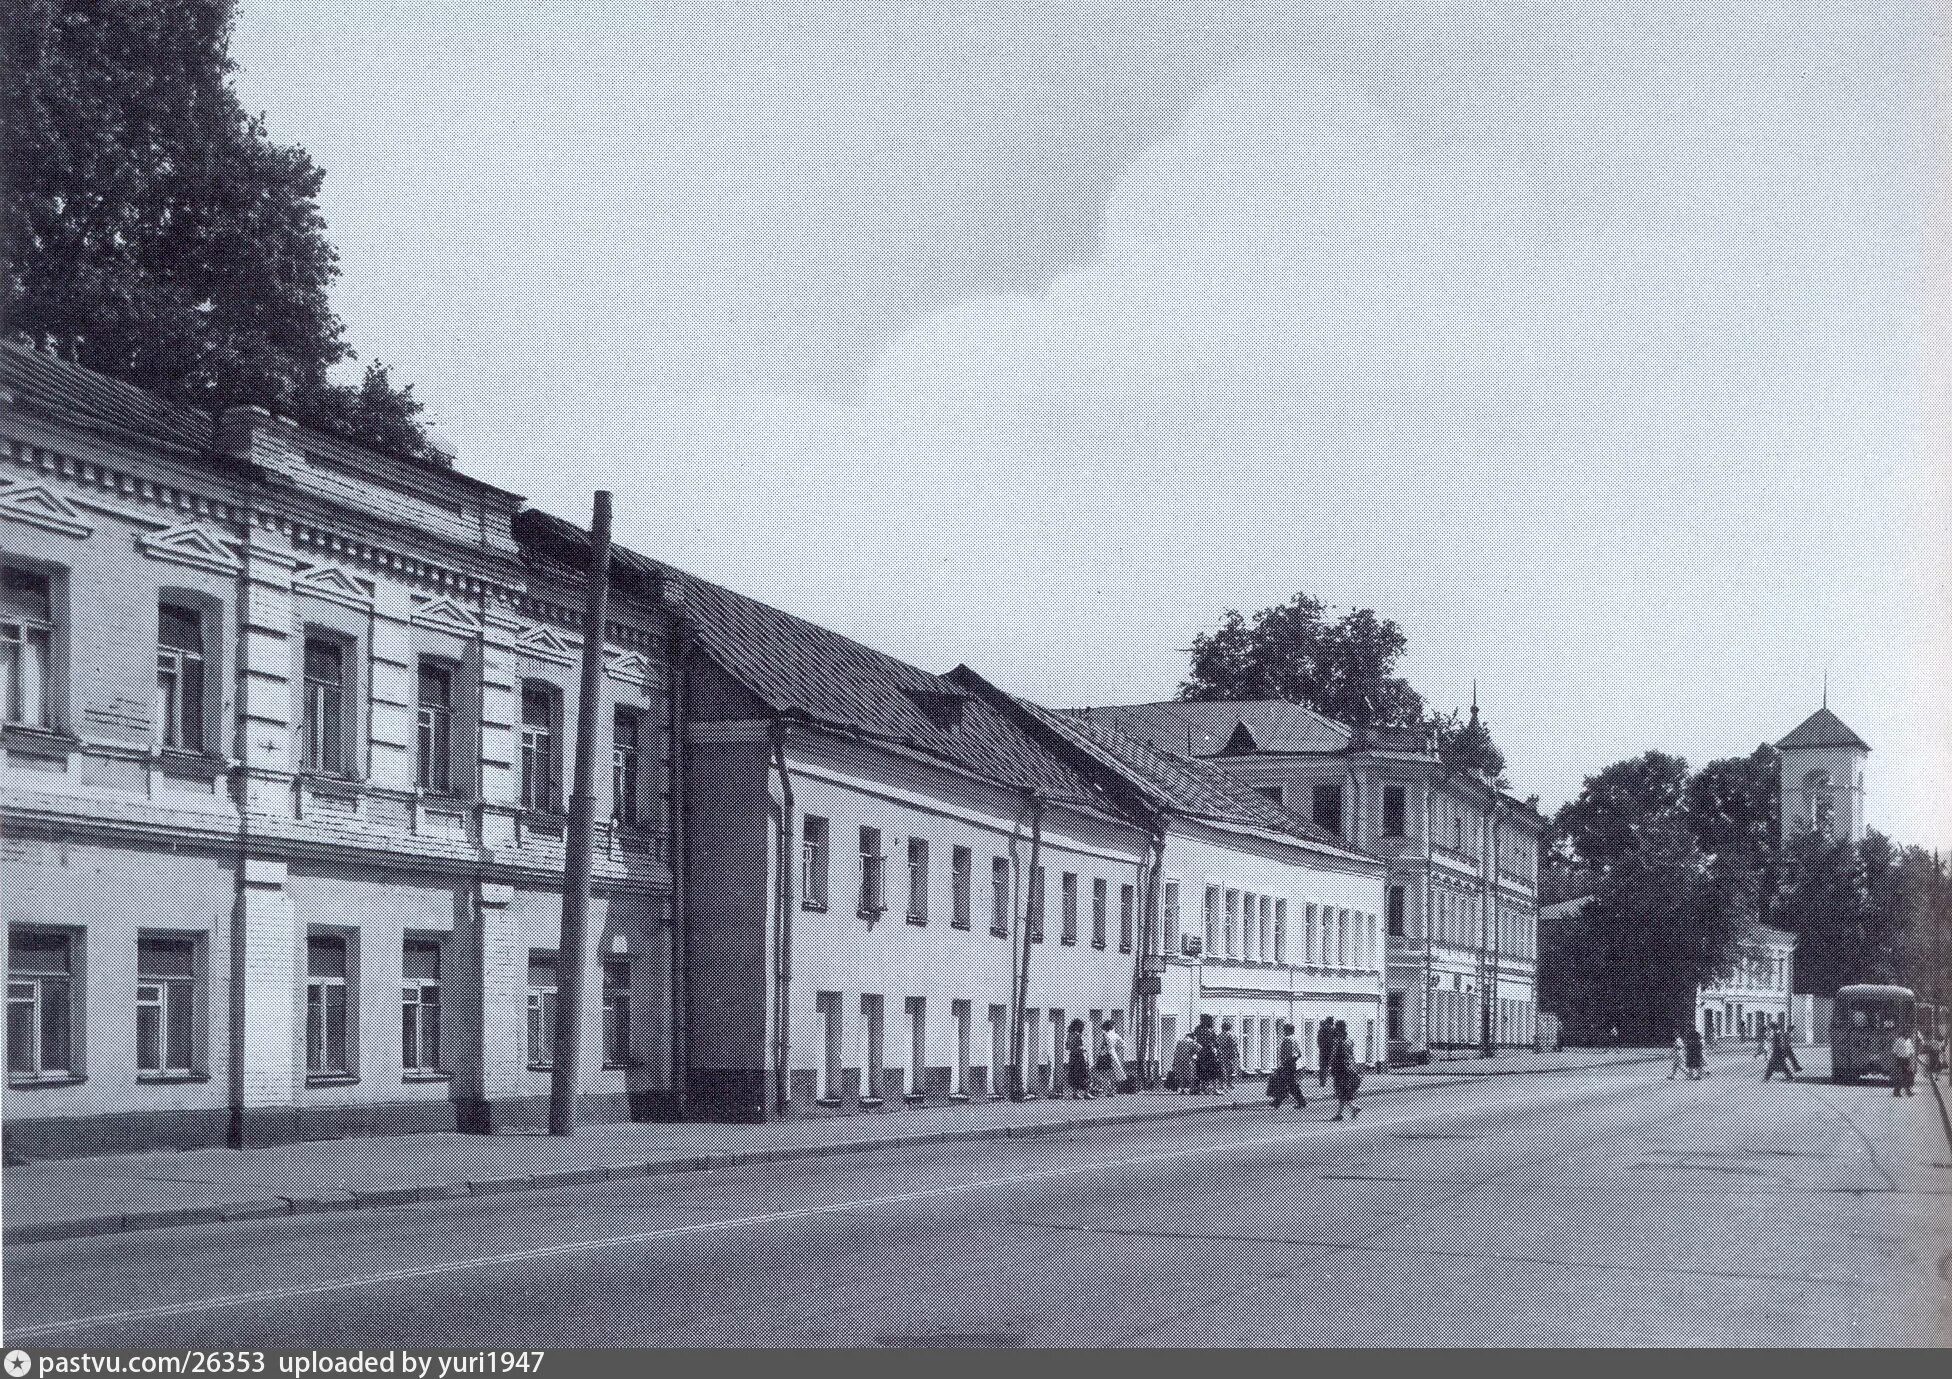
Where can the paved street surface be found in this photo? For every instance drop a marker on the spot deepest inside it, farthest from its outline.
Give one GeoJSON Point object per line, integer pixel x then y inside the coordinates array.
{"type": "Point", "coordinates": [1603, 1206]}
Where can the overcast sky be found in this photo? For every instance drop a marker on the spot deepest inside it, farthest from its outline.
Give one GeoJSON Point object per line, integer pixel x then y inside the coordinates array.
{"type": "Point", "coordinates": [1592, 344]}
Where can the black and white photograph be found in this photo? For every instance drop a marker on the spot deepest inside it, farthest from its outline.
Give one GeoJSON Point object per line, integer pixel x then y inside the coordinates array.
{"type": "Point", "coordinates": [643, 645]}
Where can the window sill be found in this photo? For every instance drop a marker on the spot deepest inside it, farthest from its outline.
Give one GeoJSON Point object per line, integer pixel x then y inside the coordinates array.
{"type": "Point", "coordinates": [542, 1067]}
{"type": "Point", "coordinates": [914, 1098]}
{"type": "Point", "coordinates": [870, 1101]}
{"type": "Point", "coordinates": [961, 924]}
{"type": "Point", "coordinates": [871, 916]}
{"type": "Point", "coordinates": [426, 1077]}
{"type": "Point", "coordinates": [28, 734]}
{"type": "Point", "coordinates": [998, 933]}
{"type": "Point", "coordinates": [165, 1079]}
{"type": "Point", "coordinates": [331, 1079]}
{"type": "Point", "coordinates": [1124, 947]}
{"type": "Point", "coordinates": [1069, 942]}
{"type": "Point", "coordinates": [817, 906]}
{"type": "Point", "coordinates": [917, 919]}
{"type": "Point", "coordinates": [29, 1084]}
{"type": "Point", "coordinates": [828, 1101]}
{"type": "Point", "coordinates": [623, 1066]}
{"type": "Point", "coordinates": [1099, 944]}
{"type": "Point", "coordinates": [959, 1096]}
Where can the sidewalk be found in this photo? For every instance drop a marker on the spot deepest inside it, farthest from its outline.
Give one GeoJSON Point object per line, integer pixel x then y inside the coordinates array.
{"type": "Point", "coordinates": [1526, 1061]}
{"type": "Point", "coordinates": [69, 1198]}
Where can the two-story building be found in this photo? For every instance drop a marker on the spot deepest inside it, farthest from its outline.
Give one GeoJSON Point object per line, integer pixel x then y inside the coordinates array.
{"type": "Point", "coordinates": [1460, 900]}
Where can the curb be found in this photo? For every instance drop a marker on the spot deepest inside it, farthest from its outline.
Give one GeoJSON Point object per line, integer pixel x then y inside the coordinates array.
{"type": "Point", "coordinates": [1534, 1072]}
{"type": "Point", "coordinates": [83, 1227]}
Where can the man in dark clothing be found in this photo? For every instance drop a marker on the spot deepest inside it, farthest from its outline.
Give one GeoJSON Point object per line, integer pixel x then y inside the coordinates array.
{"type": "Point", "coordinates": [1324, 1047]}
{"type": "Point", "coordinates": [1691, 1044]}
{"type": "Point", "coordinates": [1286, 1081]}
{"type": "Point", "coordinates": [1781, 1056]}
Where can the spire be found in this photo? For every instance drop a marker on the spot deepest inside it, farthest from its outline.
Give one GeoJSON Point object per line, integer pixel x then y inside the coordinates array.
{"type": "Point", "coordinates": [1826, 687]}
{"type": "Point", "coordinates": [1474, 700]}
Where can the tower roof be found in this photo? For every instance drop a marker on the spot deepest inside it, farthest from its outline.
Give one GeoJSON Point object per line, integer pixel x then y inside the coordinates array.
{"type": "Point", "coordinates": [1823, 729]}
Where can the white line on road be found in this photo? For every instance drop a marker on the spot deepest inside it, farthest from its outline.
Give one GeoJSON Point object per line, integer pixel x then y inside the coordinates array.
{"type": "Point", "coordinates": [180, 1309]}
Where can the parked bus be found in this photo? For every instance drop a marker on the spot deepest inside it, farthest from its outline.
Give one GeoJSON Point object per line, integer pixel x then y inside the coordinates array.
{"type": "Point", "coordinates": [1863, 1023]}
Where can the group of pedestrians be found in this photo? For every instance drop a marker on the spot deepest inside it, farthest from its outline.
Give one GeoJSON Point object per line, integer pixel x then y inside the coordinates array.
{"type": "Point", "coordinates": [1200, 1066]}
{"type": "Point", "coordinates": [1206, 1062]}
{"type": "Point", "coordinates": [1102, 1075]}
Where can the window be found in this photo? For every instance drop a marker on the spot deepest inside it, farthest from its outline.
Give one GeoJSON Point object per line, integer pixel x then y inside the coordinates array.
{"type": "Point", "coordinates": [540, 770]}
{"type": "Point", "coordinates": [1037, 904]}
{"type": "Point", "coordinates": [961, 863]}
{"type": "Point", "coordinates": [616, 1013]}
{"type": "Point", "coordinates": [1395, 909]}
{"type": "Point", "coordinates": [1213, 919]}
{"type": "Point", "coordinates": [624, 730]}
{"type": "Point", "coordinates": [1070, 934]}
{"type": "Point", "coordinates": [918, 881]}
{"type": "Point", "coordinates": [542, 1008]}
{"type": "Point", "coordinates": [871, 902]}
{"type": "Point", "coordinates": [1233, 923]}
{"type": "Point", "coordinates": [40, 1005]}
{"type": "Point", "coordinates": [918, 1036]}
{"type": "Point", "coordinates": [26, 646]}
{"type": "Point", "coordinates": [1281, 931]}
{"type": "Point", "coordinates": [1170, 936]}
{"type": "Point", "coordinates": [166, 1005]}
{"type": "Point", "coordinates": [1273, 792]}
{"type": "Point", "coordinates": [999, 895]}
{"type": "Point", "coordinates": [179, 677]}
{"type": "Point", "coordinates": [959, 1012]}
{"type": "Point", "coordinates": [1127, 911]}
{"type": "Point", "coordinates": [420, 1006]}
{"type": "Point", "coordinates": [873, 1077]}
{"type": "Point", "coordinates": [1457, 832]}
{"type": "Point", "coordinates": [1099, 908]}
{"type": "Point", "coordinates": [813, 862]}
{"type": "Point", "coordinates": [826, 1005]}
{"type": "Point", "coordinates": [1326, 808]}
{"type": "Point", "coordinates": [328, 1040]}
{"type": "Point", "coordinates": [323, 714]}
{"type": "Point", "coordinates": [435, 719]}
{"type": "Point", "coordinates": [1393, 811]}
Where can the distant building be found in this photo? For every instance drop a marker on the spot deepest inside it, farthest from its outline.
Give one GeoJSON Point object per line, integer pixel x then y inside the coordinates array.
{"type": "Point", "coordinates": [1822, 775]}
{"type": "Point", "coordinates": [1460, 905]}
{"type": "Point", "coordinates": [1754, 993]}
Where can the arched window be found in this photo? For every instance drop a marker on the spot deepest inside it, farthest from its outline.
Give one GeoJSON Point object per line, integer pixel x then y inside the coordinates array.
{"type": "Point", "coordinates": [1816, 791]}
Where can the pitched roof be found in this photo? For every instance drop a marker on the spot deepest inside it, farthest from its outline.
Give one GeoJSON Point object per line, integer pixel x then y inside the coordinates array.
{"type": "Point", "coordinates": [1205, 728]}
{"type": "Point", "coordinates": [800, 668]}
{"type": "Point", "coordinates": [1176, 783]}
{"type": "Point", "coordinates": [54, 383]}
{"type": "Point", "coordinates": [1823, 729]}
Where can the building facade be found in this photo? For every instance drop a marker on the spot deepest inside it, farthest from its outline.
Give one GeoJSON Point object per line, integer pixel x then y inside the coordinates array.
{"type": "Point", "coordinates": [281, 774]}
{"type": "Point", "coordinates": [1460, 900]}
{"type": "Point", "coordinates": [1821, 766]}
{"type": "Point", "coordinates": [1754, 995]}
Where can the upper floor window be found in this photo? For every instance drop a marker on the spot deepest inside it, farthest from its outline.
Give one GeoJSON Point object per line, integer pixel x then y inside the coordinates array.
{"type": "Point", "coordinates": [918, 880]}
{"type": "Point", "coordinates": [434, 762]}
{"type": "Point", "coordinates": [1394, 909]}
{"type": "Point", "coordinates": [1127, 913]}
{"type": "Point", "coordinates": [1070, 933]}
{"type": "Point", "coordinates": [1036, 904]}
{"type": "Point", "coordinates": [26, 646]}
{"type": "Point", "coordinates": [1393, 811]}
{"type": "Point", "coordinates": [179, 676]}
{"type": "Point", "coordinates": [1169, 919]}
{"type": "Point", "coordinates": [961, 863]}
{"type": "Point", "coordinates": [999, 895]}
{"type": "Point", "coordinates": [813, 862]}
{"type": "Point", "coordinates": [322, 716]}
{"type": "Point", "coordinates": [1326, 807]}
{"type": "Point", "coordinates": [1099, 915]}
{"type": "Point", "coordinates": [541, 769]}
{"type": "Point", "coordinates": [872, 868]}
{"type": "Point", "coordinates": [624, 729]}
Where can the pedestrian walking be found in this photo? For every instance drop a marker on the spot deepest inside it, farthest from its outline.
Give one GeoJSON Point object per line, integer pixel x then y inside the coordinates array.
{"type": "Point", "coordinates": [1348, 1077]}
{"type": "Point", "coordinates": [1286, 1080]}
{"type": "Point", "coordinates": [1904, 1065]}
{"type": "Point", "coordinates": [1680, 1057]}
{"type": "Point", "coordinates": [1324, 1046]}
{"type": "Point", "coordinates": [1931, 1052]}
{"type": "Point", "coordinates": [1229, 1053]}
{"type": "Point", "coordinates": [1691, 1042]}
{"type": "Point", "coordinates": [1186, 1054]}
{"type": "Point", "coordinates": [1076, 1067]}
{"type": "Point", "coordinates": [1761, 1040]}
{"type": "Point", "coordinates": [1781, 1056]}
{"type": "Point", "coordinates": [1206, 1065]}
{"type": "Point", "coordinates": [1110, 1063]}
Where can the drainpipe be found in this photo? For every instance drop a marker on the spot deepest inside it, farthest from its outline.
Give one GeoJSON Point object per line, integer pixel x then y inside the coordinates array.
{"type": "Point", "coordinates": [1021, 996]}
{"type": "Point", "coordinates": [783, 928]}
{"type": "Point", "coordinates": [678, 652]}
{"type": "Point", "coordinates": [1145, 1005]}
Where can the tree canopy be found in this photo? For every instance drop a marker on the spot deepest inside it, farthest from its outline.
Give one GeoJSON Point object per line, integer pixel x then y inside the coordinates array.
{"type": "Point", "coordinates": [153, 230]}
{"type": "Point", "coordinates": [1343, 667]}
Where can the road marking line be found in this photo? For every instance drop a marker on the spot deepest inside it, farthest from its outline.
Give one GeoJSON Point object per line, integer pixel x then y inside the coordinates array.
{"type": "Point", "coordinates": [180, 1309]}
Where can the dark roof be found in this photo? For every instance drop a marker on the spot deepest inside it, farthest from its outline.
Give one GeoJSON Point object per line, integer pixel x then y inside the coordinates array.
{"type": "Point", "coordinates": [1205, 728]}
{"type": "Point", "coordinates": [1169, 781]}
{"type": "Point", "coordinates": [1823, 729]}
{"type": "Point", "coordinates": [798, 668]}
{"type": "Point", "coordinates": [53, 383]}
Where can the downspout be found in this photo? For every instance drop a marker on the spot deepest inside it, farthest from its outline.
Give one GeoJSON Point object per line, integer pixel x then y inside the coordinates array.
{"type": "Point", "coordinates": [1032, 909]}
{"type": "Point", "coordinates": [783, 928]}
{"type": "Point", "coordinates": [679, 805]}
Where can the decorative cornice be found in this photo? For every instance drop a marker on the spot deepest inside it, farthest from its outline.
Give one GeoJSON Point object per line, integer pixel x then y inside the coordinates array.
{"type": "Point", "coordinates": [444, 613]}
{"type": "Point", "coordinates": [334, 583]}
{"type": "Point", "coordinates": [190, 544]}
{"type": "Point", "coordinates": [33, 502]}
{"type": "Point", "coordinates": [546, 644]}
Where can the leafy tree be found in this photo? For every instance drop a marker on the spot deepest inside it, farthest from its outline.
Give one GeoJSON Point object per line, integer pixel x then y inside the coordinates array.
{"type": "Point", "coordinates": [153, 230]}
{"type": "Point", "coordinates": [1341, 668]}
{"type": "Point", "coordinates": [1466, 745]}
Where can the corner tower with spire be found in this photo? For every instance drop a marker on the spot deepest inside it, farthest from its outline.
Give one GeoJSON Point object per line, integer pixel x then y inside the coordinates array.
{"type": "Point", "coordinates": [1823, 777]}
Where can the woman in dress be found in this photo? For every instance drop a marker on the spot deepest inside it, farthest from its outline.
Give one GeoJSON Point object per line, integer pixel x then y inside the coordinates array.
{"type": "Point", "coordinates": [1691, 1039]}
{"type": "Point", "coordinates": [1077, 1068]}
{"type": "Point", "coordinates": [1347, 1077]}
{"type": "Point", "coordinates": [1186, 1056]}
{"type": "Point", "coordinates": [1110, 1063]}
{"type": "Point", "coordinates": [1206, 1066]}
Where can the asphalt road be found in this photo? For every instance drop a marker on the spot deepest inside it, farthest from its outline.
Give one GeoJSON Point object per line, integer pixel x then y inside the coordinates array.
{"type": "Point", "coordinates": [1607, 1207]}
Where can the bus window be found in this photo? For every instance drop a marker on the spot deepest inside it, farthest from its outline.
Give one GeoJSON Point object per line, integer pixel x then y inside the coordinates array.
{"type": "Point", "coordinates": [1857, 1019]}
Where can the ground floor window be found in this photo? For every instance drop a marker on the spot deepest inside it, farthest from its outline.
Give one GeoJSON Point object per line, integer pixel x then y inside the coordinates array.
{"type": "Point", "coordinates": [420, 1006]}
{"type": "Point", "coordinates": [41, 1004]}
{"type": "Point", "coordinates": [328, 1038]}
{"type": "Point", "coordinates": [542, 1008]}
{"type": "Point", "coordinates": [166, 1005]}
{"type": "Point", "coordinates": [616, 1013]}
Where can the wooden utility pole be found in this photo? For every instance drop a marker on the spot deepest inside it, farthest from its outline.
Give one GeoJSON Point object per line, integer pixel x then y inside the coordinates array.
{"type": "Point", "coordinates": [571, 948]}
{"type": "Point", "coordinates": [1032, 926]}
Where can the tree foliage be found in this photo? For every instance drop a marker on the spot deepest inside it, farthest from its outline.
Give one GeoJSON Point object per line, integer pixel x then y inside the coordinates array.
{"type": "Point", "coordinates": [1465, 744]}
{"type": "Point", "coordinates": [153, 230]}
{"type": "Point", "coordinates": [1341, 667]}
